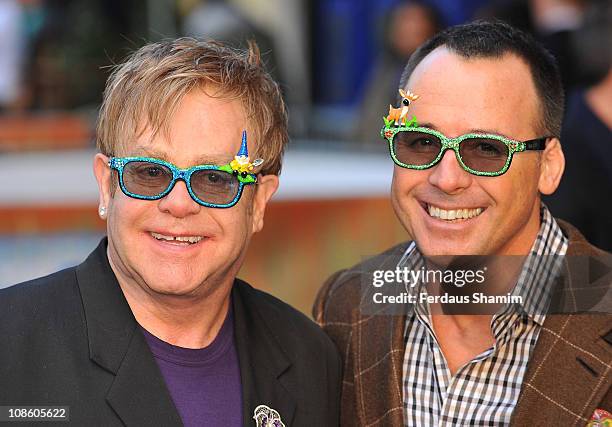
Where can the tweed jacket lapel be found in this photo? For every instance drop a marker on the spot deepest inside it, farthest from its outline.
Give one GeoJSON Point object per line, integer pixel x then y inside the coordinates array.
{"type": "Point", "coordinates": [378, 352]}
{"type": "Point", "coordinates": [569, 374]}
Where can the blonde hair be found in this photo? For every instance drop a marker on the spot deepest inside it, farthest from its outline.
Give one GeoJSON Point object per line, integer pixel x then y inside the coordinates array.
{"type": "Point", "coordinates": [146, 89]}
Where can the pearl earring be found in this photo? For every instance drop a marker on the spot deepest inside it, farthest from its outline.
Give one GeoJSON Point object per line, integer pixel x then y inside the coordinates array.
{"type": "Point", "coordinates": [102, 211]}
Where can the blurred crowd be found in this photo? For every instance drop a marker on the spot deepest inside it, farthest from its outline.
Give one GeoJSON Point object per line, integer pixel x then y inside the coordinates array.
{"type": "Point", "coordinates": [338, 61]}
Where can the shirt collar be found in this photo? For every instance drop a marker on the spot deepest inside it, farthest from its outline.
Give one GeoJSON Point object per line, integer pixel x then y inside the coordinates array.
{"type": "Point", "coordinates": [541, 267]}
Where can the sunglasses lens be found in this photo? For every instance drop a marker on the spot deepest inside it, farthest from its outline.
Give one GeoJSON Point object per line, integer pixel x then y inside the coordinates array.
{"type": "Point", "coordinates": [146, 178]}
{"type": "Point", "coordinates": [484, 154]}
{"type": "Point", "coordinates": [214, 186]}
{"type": "Point", "coordinates": [416, 148]}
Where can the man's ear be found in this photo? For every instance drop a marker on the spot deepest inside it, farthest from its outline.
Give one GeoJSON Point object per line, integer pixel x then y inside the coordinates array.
{"type": "Point", "coordinates": [552, 166]}
{"type": "Point", "coordinates": [103, 177]}
{"type": "Point", "coordinates": [264, 190]}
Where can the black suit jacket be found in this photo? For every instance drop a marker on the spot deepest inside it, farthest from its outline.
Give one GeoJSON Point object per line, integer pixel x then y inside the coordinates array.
{"type": "Point", "coordinates": [70, 339]}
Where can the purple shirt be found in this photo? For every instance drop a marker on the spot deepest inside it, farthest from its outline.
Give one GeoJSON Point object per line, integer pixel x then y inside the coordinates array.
{"type": "Point", "coordinates": [204, 383]}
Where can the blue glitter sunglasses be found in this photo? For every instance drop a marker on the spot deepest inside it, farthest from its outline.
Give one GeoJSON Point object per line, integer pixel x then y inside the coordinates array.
{"type": "Point", "coordinates": [213, 186]}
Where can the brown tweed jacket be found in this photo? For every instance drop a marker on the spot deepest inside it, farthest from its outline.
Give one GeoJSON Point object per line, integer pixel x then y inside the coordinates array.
{"type": "Point", "coordinates": [568, 377]}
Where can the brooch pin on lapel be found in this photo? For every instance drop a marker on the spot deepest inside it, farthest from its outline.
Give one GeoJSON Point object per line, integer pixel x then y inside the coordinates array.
{"type": "Point", "coordinates": [600, 418]}
{"type": "Point", "coordinates": [267, 417]}
{"type": "Point", "coordinates": [241, 163]}
{"type": "Point", "coordinates": [399, 116]}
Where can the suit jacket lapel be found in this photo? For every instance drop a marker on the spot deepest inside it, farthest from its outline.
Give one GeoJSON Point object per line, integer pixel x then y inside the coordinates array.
{"type": "Point", "coordinates": [138, 393]}
{"type": "Point", "coordinates": [264, 365]}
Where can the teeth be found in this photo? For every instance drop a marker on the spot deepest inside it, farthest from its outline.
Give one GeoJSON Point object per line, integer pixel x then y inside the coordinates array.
{"type": "Point", "coordinates": [186, 239]}
{"type": "Point", "coordinates": [454, 213]}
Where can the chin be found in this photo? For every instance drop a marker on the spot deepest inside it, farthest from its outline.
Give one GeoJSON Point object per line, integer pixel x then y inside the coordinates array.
{"type": "Point", "coordinates": [170, 289]}
{"type": "Point", "coordinates": [173, 282]}
{"type": "Point", "coordinates": [440, 252]}
{"type": "Point", "coordinates": [441, 248]}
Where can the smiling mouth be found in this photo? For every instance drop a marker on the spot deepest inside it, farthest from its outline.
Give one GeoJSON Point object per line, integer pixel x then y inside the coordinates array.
{"type": "Point", "coordinates": [177, 240]}
{"type": "Point", "coordinates": [453, 215]}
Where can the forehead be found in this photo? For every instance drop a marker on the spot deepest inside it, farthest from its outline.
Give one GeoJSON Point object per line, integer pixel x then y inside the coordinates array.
{"type": "Point", "coordinates": [203, 128]}
{"type": "Point", "coordinates": [459, 94]}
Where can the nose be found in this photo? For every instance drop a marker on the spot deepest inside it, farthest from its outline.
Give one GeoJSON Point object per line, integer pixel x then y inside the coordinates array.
{"type": "Point", "coordinates": [448, 175]}
{"type": "Point", "coordinates": [178, 202]}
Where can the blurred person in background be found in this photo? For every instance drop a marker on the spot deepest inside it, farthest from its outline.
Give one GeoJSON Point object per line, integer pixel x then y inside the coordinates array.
{"type": "Point", "coordinates": [406, 27]}
{"type": "Point", "coordinates": [72, 43]}
{"type": "Point", "coordinates": [553, 23]}
{"type": "Point", "coordinates": [154, 328]}
{"type": "Point", "coordinates": [12, 47]}
{"type": "Point", "coordinates": [584, 196]}
{"type": "Point", "coordinates": [220, 20]}
{"type": "Point", "coordinates": [468, 180]}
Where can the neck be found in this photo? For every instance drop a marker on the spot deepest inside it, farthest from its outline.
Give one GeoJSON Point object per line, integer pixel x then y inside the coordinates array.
{"type": "Point", "coordinates": [188, 324]}
{"type": "Point", "coordinates": [463, 333]}
{"type": "Point", "coordinates": [525, 237]}
{"type": "Point", "coordinates": [189, 321]}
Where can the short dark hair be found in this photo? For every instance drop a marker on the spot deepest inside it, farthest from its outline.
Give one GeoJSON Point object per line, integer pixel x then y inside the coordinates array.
{"type": "Point", "coordinates": [493, 39]}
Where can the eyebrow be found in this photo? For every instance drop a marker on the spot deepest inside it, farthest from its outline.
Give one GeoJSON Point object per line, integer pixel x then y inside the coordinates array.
{"type": "Point", "coordinates": [203, 160]}
{"type": "Point", "coordinates": [476, 130]}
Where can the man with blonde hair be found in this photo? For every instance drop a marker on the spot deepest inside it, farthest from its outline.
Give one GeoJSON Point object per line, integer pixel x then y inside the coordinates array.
{"type": "Point", "coordinates": [154, 328]}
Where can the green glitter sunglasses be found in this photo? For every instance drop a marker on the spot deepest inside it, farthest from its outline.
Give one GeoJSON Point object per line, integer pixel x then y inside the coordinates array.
{"type": "Point", "coordinates": [414, 147]}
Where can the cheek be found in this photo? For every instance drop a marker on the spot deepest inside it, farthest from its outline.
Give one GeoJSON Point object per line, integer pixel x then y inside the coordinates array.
{"type": "Point", "coordinates": [235, 222]}
{"type": "Point", "coordinates": [396, 194]}
{"type": "Point", "coordinates": [402, 199]}
{"type": "Point", "coordinates": [514, 191]}
{"type": "Point", "coordinates": [404, 181]}
{"type": "Point", "coordinates": [126, 216]}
